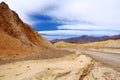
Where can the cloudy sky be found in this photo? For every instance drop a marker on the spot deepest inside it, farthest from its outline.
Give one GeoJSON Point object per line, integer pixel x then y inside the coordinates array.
{"type": "Point", "coordinates": [69, 18]}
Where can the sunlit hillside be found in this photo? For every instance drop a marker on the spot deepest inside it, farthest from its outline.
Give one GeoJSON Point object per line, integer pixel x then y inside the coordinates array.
{"type": "Point", "coordinates": [102, 44]}
{"type": "Point", "coordinates": [63, 44]}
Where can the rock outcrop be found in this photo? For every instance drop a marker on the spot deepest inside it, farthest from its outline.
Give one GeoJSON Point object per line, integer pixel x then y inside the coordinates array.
{"type": "Point", "coordinates": [18, 39]}
{"type": "Point", "coordinates": [12, 25]}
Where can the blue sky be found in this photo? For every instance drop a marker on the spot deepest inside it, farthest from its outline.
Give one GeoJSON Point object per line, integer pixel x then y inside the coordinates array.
{"type": "Point", "coordinates": [55, 19]}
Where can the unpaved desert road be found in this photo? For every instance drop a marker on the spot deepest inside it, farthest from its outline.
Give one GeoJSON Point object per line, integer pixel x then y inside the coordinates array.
{"type": "Point", "coordinates": [112, 60]}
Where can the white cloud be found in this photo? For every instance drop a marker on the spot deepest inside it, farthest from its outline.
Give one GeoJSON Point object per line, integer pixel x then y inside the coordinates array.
{"type": "Point", "coordinates": [26, 7]}
{"type": "Point", "coordinates": [88, 26]}
{"type": "Point", "coordinates": [104, 14]}
{"type": "Point", "coordinates": [52, 37]}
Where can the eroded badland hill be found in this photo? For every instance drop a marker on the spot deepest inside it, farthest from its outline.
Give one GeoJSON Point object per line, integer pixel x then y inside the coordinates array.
{"type": "Point", "coordinates": [18, 39]}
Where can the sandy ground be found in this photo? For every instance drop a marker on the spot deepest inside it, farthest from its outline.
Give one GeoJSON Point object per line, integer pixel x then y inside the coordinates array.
{"type": "Point", "coordinates": [66, 68]}
{"type": "Point", "coordinates": [70, 67]}
{"type": "Point", "coordinates": [102, 73]}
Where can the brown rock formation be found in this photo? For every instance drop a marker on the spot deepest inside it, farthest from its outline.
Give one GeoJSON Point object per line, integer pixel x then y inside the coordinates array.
{"type": "Point", "coordinates": [18, 38]}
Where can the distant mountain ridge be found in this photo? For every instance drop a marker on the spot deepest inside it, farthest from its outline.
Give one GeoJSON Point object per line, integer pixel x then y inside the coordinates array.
{"type": "Point", "coordinates": [87, 39]}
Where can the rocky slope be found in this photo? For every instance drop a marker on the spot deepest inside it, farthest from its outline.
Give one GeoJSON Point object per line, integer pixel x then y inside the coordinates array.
{"type": "Point", "coordinates": [18, 39]}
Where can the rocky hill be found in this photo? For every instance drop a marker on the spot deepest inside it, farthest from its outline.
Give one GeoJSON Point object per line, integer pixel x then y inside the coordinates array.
{"type": "Point", "coordinates": [18, 39]}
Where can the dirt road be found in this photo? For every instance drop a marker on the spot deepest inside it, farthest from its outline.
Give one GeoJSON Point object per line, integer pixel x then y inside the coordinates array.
{"type": "Point", "coordinates": [112, 60]}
